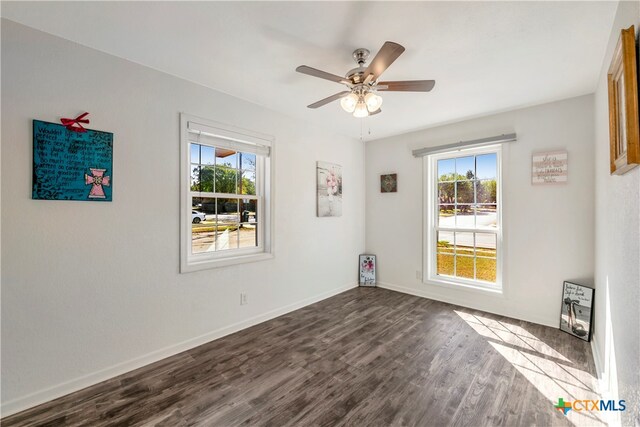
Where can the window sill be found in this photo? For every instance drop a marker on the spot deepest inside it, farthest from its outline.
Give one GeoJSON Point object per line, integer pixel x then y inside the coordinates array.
{"type": "Point", "coordinates": [496, 291]}
{"type": "Point", "coordinates": [207, 264]}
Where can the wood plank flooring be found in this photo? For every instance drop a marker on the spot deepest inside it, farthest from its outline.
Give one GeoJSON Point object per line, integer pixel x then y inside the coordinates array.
{"type": "Point", "coordinates": [366, 357]}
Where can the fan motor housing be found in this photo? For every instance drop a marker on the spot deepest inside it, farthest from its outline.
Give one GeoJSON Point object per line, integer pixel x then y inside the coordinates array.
{"type": "Point", "coordinates": [360, 56]}
{"type": "Point", "coordinates": [356, 74]}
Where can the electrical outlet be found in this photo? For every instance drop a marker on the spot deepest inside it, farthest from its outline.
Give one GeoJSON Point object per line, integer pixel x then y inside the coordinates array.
{"type": "Point", "coordinates": [243, 299]}
{"type": "Point", "coordinates": [418, 274]}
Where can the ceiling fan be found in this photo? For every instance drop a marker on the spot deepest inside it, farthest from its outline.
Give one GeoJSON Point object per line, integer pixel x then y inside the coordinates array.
{"type": "Point", "coordinates": [362, 98]}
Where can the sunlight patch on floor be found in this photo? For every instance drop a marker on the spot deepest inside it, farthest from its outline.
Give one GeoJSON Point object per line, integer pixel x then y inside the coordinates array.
{"type": "Point", "coordinates": [553, 382]}
{"type": "Point", "coordinates": [510, 334]}
{"type": "Point", "coordinates": [545, 368]}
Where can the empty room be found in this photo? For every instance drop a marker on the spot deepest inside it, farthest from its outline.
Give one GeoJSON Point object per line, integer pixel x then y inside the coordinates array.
{"type": "Point", "coordinates": [320, 213]}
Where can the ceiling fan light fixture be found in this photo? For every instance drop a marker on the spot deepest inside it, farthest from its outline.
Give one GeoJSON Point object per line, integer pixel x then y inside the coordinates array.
{"type": "Point", "coordinates": [349, 102]}
{"type": "Point", "coordinates": [363, 82]}
{"type": "Point", "coordinates": [361, 110]}
{"type": "Point", "coordinates": [373, 101]}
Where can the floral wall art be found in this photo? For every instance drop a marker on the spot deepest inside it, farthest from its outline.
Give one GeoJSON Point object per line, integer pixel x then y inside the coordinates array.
{"type": "Point", "coordinates": [329, 189]}
{"type": "Point", "coordinates": [389, 183]}
{"type": "Point", "coordinates": [367, 270]}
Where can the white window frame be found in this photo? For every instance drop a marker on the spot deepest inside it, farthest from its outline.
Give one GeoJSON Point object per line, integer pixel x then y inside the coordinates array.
{"type": "Point", "coordinates": [430, 225]}
{"type": "Point", "coordinates": [208, 132]}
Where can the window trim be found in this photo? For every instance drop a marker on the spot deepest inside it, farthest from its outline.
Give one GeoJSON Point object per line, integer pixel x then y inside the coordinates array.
{"type": "Point", "coordinates": [430, 208]}
{"type": "Point", "coordinates": [195, 262]}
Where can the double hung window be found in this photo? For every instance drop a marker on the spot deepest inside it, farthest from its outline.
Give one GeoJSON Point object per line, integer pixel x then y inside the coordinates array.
{"type": "Point", "coordinates": [226, 195]}
{"type": "Point", "coordinates": [464, 217]}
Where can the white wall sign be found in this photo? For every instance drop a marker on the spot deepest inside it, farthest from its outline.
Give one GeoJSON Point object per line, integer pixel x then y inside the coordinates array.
{"type": "Point", "coordinates": [549, 167]}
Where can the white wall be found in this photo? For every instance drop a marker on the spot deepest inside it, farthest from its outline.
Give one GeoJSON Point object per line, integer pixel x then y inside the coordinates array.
{"type": "Point", "coordinates": [90, 290]}
{"type": "Point", "coordinates": [548, 230]}
{"type": "Point", "coordinates": [617, 251]}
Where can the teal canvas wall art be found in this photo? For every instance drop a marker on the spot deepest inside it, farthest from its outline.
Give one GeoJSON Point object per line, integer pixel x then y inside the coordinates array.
{"type": "Point", "coordinates": [69, 165]}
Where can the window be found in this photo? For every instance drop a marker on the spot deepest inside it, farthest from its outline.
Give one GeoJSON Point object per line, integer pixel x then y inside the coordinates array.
{"type": "Point", "coordinates": [464, 232]}
{"type": "Point", "coordinates": [226, 189]}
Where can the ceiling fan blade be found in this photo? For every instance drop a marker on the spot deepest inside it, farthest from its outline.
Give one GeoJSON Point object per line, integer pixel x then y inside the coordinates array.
{"type": "Point", "coordinates": [319, 73]}
{"type": "Point", "coordinates": [329, 99]}
{"type": "Point", "coordinates": [388, 53]}
{"type": "Point", "coordinates": [407, 86]}
{"type": "Point", "coordinates": [378, 111]}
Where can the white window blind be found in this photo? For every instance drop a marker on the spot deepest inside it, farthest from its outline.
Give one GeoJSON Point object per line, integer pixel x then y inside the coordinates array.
{"type": "Point", "coordinates": [460, 145]}
{"type": "Point", "coordinates": [203, 134]}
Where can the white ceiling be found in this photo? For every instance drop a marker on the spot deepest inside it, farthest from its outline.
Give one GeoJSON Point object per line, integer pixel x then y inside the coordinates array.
{"type": "Point", "coordinates": [485, 56]}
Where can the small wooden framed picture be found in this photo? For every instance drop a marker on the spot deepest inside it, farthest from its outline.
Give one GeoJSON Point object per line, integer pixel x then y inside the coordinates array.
{"type": "Point", "coordinates": [367, 270]}
{"type": "Point", "coordinates": [624, 129]}
{"type": "Point", "coordinates": [576, 314]}
{"type": "Point", "coordinates": [389, 183]}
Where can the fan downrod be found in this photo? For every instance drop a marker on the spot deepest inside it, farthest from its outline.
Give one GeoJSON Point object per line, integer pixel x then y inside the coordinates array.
{"type": "Point", "coordinates": [360, 55]}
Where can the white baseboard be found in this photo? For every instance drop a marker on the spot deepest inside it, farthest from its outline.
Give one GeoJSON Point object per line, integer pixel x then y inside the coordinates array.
{"type": "Point", "coordinates": [62, 389]}
{"type": "Point", "coordinates": [528, 317]}
{"type": "Point", "coordinates": [597, 359]}
{"type": "Point", "coordinates": [604, 384]}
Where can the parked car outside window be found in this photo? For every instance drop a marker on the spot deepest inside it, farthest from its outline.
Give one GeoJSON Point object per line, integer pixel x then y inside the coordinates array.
{"type": "Point", "coordinates": [197, 217]}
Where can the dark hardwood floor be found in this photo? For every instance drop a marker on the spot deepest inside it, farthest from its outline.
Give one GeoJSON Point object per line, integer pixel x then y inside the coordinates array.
{"type": "Point", "coordinates": [366, 357]}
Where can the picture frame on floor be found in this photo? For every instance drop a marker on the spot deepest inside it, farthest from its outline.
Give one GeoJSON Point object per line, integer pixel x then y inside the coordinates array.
{"type": "Point", "coordinates": [367, 270]}
{"type": "Point", "coordinates": [576, 314]}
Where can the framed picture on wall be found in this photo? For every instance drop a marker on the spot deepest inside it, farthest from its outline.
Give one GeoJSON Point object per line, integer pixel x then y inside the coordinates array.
{"type": "Point", "coordinates": [329, 189]}
{"type": "Point", "coordinates": [576, 314]}
{"type": "Point", "coordinates": [549, 167]}
{"type": "Point", "coordinates": [367, 270]}
{"type": "Point", "coordinates": [389, 183]}
{"type": "Point", "coordinates": [624, 126]}
{"type": "Point", "coordinates": [71, 165]}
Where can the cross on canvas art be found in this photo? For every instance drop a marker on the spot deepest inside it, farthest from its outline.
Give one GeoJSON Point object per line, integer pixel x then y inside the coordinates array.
{"type": "Point", "coordinates": [329, 189]}
{"type": "Point", "coordinates": [70, 165]}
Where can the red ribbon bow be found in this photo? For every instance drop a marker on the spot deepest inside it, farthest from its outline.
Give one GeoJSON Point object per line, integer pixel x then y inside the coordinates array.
{"type": "Point", "coordinates": [74, 124]}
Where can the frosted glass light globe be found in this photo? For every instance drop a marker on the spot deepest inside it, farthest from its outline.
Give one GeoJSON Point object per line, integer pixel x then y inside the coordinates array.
{"type": "Point", "coordinates": [348, 103]}
{"type": "Point", "coordinates": [361, 110]}
{"type": "Point", "coordinates": [373, 101]}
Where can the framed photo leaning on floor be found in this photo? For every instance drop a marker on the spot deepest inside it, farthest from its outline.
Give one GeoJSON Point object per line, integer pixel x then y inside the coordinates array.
{"type": "Point", "coordinates": [367, 270]}
{"type": "Point", "coordinates": [576, 314]}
